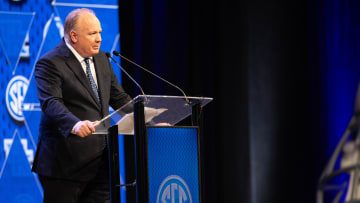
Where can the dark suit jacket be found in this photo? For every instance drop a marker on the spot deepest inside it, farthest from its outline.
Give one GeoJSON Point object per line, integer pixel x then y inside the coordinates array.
{"type": "Point", "coordinates": [66, 97]}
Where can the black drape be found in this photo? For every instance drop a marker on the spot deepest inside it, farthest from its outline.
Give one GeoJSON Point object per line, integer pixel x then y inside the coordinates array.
{"type": "Point", "coordinates": [256, 59]}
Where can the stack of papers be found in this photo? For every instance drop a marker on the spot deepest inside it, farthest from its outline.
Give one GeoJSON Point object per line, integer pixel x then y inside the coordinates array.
{"type": "Point", "coordinates": [126, 124]}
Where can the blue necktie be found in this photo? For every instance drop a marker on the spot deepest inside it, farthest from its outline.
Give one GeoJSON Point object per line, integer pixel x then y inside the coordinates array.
{"type": "Point", "coordinates": [94, 88]}
{"type": "Point", "coordinates": [91, 79]}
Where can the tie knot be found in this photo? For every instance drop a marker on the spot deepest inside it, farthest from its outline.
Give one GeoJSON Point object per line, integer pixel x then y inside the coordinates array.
{"type": "Point", "coordinates": [87, 60]}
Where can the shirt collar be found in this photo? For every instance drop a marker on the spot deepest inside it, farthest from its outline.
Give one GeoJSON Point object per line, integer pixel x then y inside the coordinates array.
{"type": "Point", "coordinates": [77, 55]}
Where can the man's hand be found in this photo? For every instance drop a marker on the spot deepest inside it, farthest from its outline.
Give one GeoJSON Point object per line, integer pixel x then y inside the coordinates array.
{"type": "Point", "coordinates": [85, 128]}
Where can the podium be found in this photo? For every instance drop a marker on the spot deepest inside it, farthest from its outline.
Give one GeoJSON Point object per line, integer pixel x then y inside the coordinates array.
{"type": "Point", "coordinates": [167, 157]}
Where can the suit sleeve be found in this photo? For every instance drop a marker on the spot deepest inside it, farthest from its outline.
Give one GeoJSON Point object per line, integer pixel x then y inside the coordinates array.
{"type": "Point", "coordinates": [49, 85]}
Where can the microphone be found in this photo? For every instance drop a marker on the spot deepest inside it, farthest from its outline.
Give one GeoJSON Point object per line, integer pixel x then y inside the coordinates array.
{"type": "Point", "coordinates": [153, 74]}
{"type": "Point", "coordinates": [109, 56]}
{"type": "Point", "coordinates": [116, 111]}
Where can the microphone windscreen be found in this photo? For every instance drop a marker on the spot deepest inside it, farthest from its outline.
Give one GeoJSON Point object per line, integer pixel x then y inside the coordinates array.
{"type": "Point", "coordinates": [116, 53]}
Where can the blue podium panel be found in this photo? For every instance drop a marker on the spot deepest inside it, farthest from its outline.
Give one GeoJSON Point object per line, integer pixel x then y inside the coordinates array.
{"type": "Point", "coordinates": [173, 164]}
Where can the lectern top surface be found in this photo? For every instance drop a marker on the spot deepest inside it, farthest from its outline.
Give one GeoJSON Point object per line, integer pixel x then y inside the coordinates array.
{"type": "Point", "coordinates": [158, 109]}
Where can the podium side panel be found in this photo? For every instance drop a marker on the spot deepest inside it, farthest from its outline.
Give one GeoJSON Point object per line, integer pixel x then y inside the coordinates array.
{"type": "Point", "coordinates": [114, 170]}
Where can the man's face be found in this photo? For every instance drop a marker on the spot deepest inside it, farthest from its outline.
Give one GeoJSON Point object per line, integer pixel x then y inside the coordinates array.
{"type": "Point", "coordinates": [86, 37]}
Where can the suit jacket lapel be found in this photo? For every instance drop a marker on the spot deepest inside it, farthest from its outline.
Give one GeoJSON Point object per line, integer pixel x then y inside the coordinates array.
{"type": "Point", "coordinates": [100, 76]}
{"type": "Point", "coordinates": [75, 66]}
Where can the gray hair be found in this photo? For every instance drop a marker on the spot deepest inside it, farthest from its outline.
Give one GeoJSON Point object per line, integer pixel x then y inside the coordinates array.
{"type": "Point", "coordinates": [71, 20]}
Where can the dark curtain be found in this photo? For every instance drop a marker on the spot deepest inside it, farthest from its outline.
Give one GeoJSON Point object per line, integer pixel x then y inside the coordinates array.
{"type": "Point", "coordinates": [257, 59]}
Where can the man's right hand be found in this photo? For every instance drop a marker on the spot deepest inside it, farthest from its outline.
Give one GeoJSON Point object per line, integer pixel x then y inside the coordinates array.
{"type": "Point", "coordinates": [84, 128]}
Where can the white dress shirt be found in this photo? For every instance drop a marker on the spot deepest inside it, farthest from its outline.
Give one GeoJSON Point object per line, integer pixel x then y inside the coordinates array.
{"type": "Point", "coordinates": [82, 62]}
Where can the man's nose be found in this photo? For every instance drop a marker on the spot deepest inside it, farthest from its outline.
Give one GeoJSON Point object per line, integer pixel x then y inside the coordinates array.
{"type": "Point", "coordinates": [98, 37]}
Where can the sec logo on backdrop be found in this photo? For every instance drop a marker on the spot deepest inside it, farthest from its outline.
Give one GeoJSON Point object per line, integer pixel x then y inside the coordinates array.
{"type": "Point", "coordinates": [173, 190]}
{"type": "Point", "coordinates": [15, 94]}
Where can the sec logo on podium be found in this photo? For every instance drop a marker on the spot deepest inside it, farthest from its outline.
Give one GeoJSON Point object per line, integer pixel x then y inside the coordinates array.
{"type": "Point", "coordinates": [174, 190]}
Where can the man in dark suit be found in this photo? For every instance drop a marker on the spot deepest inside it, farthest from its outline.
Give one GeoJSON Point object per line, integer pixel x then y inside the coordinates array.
{"type": "Point", "coordinates": [76, 84]}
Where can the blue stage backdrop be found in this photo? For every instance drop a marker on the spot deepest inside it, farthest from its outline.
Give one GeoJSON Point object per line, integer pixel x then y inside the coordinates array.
{"type": "Point", "coordinates": [339, 42]}
{"type": "Point", "coordinates": [338, 39]}
{"type": "Point", "coordinates": [28, 29]}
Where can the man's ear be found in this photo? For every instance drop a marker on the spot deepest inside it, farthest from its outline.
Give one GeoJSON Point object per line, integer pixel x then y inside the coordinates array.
{"type": "Point", "coordinates": [73, 36]}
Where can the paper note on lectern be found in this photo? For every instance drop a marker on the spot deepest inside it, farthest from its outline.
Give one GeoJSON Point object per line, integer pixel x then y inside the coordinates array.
{"type": "Point", "coordinates": [126, 124]}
